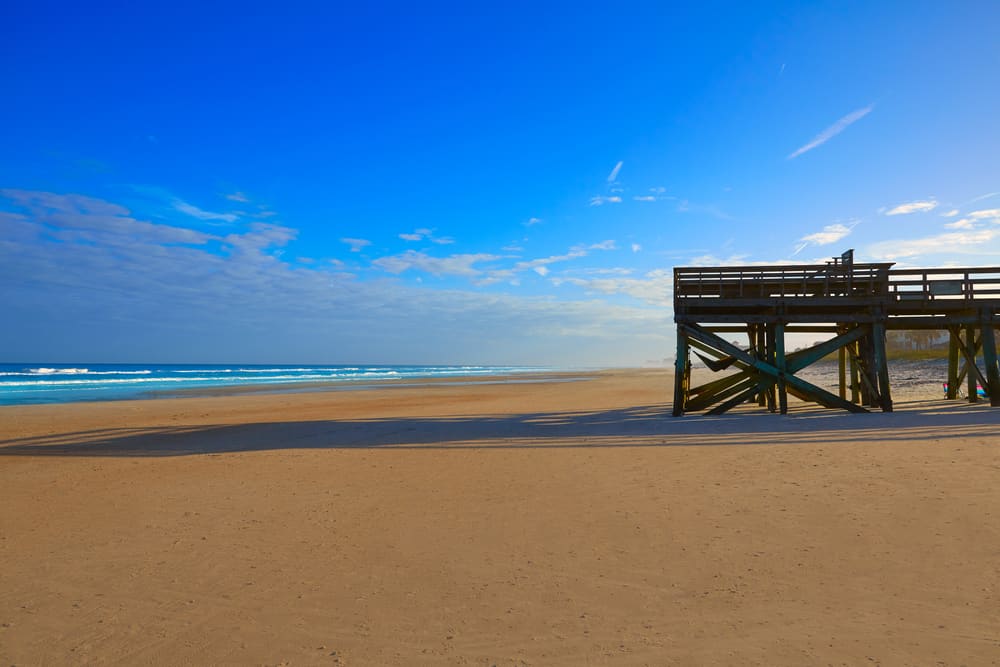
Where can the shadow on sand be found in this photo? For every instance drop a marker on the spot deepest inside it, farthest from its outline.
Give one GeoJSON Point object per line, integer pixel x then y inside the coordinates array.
{"type": "Point", "coordinates": [643, 426]}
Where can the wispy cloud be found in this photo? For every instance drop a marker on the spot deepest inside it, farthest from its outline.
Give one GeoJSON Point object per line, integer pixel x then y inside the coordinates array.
{"type": "Point", "coordinates": [238, 196]}
{"type": "Point", "coordinates": [453, 265]}
{"type": "Point", "coordinates": [424, 234]}
{"type": "Point", "coordinates": [636, 247]}
{"type": "Point", "coordinates": [712, 260]}
{"type": "Point", "coordinates": [601, 200]}
{"type": "Point", "coordinates": [613, 176]}
{"type": "Point", "coordinates": [961, 242]}
{"type": "Point", "coordinates": [686, 206]}
{"type": "Point", "coordinates": [961, 223]}
{"type": "Point", "coordinates": [356, 244]}
{"type": "Point", "coordinates": [531, 222]}
{"type": "Point", "coordinates": [829, 234]}
{"type": "Point", "coordinates": [914, 207]}
{"type": "Point", "coordinates": [121, 279]}
{"type": "Point", "coordinates": [950, 214]}
{"type": "Point", "coordinates": [655, 194]}
{"type": "Point", "coordinates": [986, 214]}
{"type": "Point", "coordinates": [833, 130]}
{"type": "Point", "coordinates": [576, 252]}
{"type": "Point", "coordinates": [201, 214]}
{"type": "Point", "coordinates": [982, 197]}
{"type": "Point", "coordinates": [655, 287]}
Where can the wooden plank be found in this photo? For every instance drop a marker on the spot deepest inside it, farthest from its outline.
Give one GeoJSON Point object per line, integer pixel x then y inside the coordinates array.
{"type": "Point", "coordinates": [733, 402]}
{"type": "Point", "coordinates": [945, 287]}
{"type": "Point", "coordinates": [718, 385]}
{"type": "Point", "coordinates": [801, 358]}
{"type": "Point", "coordinates": [702, 402]}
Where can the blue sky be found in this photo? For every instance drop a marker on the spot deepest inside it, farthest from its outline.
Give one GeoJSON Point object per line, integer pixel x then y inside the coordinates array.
{"type": "Point", "coordinates": [453, 183]}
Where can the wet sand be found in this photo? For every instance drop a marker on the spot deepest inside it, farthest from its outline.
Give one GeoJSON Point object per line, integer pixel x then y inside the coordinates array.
{"type": "Point", "coordinates": [556, 523]}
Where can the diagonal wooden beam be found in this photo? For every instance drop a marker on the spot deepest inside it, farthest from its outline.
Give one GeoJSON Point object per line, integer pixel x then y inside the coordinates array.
{"type": "Point", "coordinates": [816, 394]}
{"type": "Point", "coordinates": [706, 400]}
{"type": "Point", "coordinates": [721, 383]}
{"type": "Point", "coordinates": [801, 358]}
{"type": "Point", "coordinates": [734, 401]}
{"type": "Point", "coordinates": [970, 359]}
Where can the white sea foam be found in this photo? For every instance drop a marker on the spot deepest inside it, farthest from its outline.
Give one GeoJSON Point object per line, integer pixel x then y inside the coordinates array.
{"type": "Point", "coordinates": [70, 371]}
{"type": "Point", "coordinates": [57, 371]}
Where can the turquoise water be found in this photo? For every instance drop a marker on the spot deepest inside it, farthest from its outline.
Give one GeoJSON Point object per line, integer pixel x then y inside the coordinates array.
{"type": "Point", "coordinates": [23, 383]}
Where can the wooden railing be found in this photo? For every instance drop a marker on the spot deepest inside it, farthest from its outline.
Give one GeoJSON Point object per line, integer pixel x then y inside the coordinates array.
{"type": "Point", "coordinates": [782, 282]}
{"type": "Point", "coordinates": [964, 284]}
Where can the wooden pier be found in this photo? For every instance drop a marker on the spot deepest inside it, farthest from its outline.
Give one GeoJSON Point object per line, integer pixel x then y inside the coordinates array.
{"type": "Point", "coordinates": [856, 303]}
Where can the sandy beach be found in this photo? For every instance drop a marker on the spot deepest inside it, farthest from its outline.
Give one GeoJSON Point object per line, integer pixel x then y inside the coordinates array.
{"type": "Point", "coordinates": [556, 523]}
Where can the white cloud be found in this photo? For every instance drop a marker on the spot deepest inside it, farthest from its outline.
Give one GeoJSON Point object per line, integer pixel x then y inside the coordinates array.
{"type": "Point", "coordinates": [238, 196]}
{"type": "Point", "coordinates": [982, 197]}
{"type": "Point", "coordinates": [636, 247]}
{"type": "Point", "coordinates": [686, 206]}
{"type": "Point", "coordinates": [830, 234]}
{"type": "Point", "coordinates": [914, 207]}
{"type": "Point", "coordinates": [655, 287]}
{"type": "Point", "coordinates": [600, 200]}
{"type": "Point", "coordinates": [576, 252]}
{"type": "Point", "coordinates": [987, 214]}
{"type": "Point", "coordinates": [833, 130]}
{"type": "Point", "coordinates": [950, 214]}
{"type": "Point", "coordinates": [613, 176]}
{"type": "Point", "coordinates": [201, 214]}
{"type": "Point", "coordinates": [130, 286]}
{"type": "Point", "coordinates": [963, 223]}
{"type": "Point", "coordinates": [541, 270]}
{"type": "Point", "coordinates": [966, 242]}
{"type": "Point", "coordinates": [453, 265]}
{"type": "Point", "coordinates": [356, 244]}
{"type": "Point", "coordinates": [532, 221]}
{"type": "Point", "coordinates": [425, 234]}
{"type": "Point", "coordinates": [712, 260]}
{"type": "Point", "coordinates": [644, 198]}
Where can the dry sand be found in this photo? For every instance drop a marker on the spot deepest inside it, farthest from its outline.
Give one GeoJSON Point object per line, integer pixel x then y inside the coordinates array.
{"type": "Point", "coordinates": [543, 524]}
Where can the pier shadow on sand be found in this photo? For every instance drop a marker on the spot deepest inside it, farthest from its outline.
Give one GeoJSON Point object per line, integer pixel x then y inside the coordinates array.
{"type": "Point", "coordinates": [641, 426]}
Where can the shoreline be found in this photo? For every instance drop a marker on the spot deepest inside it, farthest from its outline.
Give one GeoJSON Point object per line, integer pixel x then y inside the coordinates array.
{"type": "Point", "coordinates": [363, 385]}
{"type": "Point", "coordinates": [249, 386]}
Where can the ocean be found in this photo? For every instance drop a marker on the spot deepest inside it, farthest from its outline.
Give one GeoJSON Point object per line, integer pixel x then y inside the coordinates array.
{"type": "Point", "coordinates": [27, 383]}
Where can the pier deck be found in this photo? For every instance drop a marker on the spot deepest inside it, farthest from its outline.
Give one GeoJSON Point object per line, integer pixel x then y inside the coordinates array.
{"type": "Point", "coordinates": [857, 302]}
